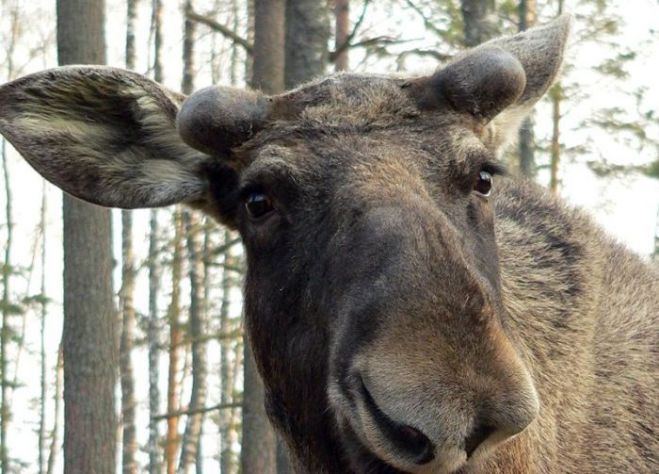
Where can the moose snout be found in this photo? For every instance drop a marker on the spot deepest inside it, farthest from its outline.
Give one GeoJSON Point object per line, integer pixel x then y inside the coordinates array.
{"type": "Point", "coordinates": [433, 435]}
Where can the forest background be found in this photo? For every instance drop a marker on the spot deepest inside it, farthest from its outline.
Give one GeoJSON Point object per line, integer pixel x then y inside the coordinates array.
{"type": "Point", "coordinates": [175, 388]}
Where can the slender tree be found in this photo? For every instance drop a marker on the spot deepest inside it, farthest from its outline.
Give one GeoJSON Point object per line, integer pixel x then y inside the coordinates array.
{"type": "Point", "coordinates": [342, 26]}
{"type": "Point", "coordinates": [174, 315]}
{"type": "Point", "coordinates": [126, 296]}
{"type": "Point", "coordinates": [5, 331]}
{"type": "Point", "coordinates": [197, 318]}
{"type": "Point", "coordinates": [480, 21]}
{"type": "Point", "coordinates": [89, 334]}
{"type": "Point", "coordinates": [307, 36]}
{"type": "Point", "coordinates": [42, 338]}
{"type": "Point", "coordinates": [258, 453]}
{"type": "Point", "coordinates": [527, 18]}
{"type": "Point", "coordinates": [556, 97]}
{"type": "Point", "coordinates": [153, 328]}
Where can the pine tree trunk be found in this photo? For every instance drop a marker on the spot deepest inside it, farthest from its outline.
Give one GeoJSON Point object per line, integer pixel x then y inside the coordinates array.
{"type": "Point", "coordinates": [42, 339]}
{"type": "Point", "coordinates": [174, 343]}
{"type": "Point", "coordinates": [526, 146]}
{"type": "Point", "coordinates": [258, 453]}
{"type": "Point", "coordinates": [89, 336]}
{"type": "Point", "coordinates": [555, 95]}
{"type": "Point", "coordinates": [129, 448]}
{"type": "Point", "coordinates": [153, 330]}
{"type": "Point", "coordinates": [5, 331]}
{"type": "Point", "coordinates": [129, 440]}
{"type": "Point", "coordinates": [57, 398]}
{"type": "Point", "coordinates": [197, 329]}
{"type": "Point", "coordinates": [479, 17]}
{"type": "Point", "coordinates": [342, 26]}
{"type": "Point", "coordinates": [307, 35]}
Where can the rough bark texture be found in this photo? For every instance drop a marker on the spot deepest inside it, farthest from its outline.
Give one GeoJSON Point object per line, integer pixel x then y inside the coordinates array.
{"type": "Point", "coordinates": [479, 18]}
{"type": "Point", "coordinates": [197, 330]}
{"type": "Point", "coordinates": [42, 338]}
{"type": "Point", "coordinates": [174, 343]}
{"type": "Point", "coordinates": [153, 331]}
{"type": "Point", "coordinates": [342, 26]}
{"type": "Point", "coordinates": [258, 453]}
{"type": "Point", "coordinates": [129, 440]}
{"type": "Point", "coordinates": [126, 296]}
{"type": "Point", "coordinates": [307, 34]}
{"type": "Point", "coordinates": [89, 337]}
{"type": "Point", "coordinates": [527, 18]}
{"type": "Point", "coordinates": [268, 67]}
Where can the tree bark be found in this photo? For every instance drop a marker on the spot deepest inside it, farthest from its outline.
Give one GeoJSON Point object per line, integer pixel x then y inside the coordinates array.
{"type": "Point", "coordinates": [307, 35]}
{"type": "Point", "coordinates": [89, 336]}
{"type": "Point", "coordinates": [126, 296]}
{"type": "Point", "coordinates": [342, 30]}
{"type": "Point", "coordinates": [526, 146]}
{"type": "Point", "coordinates": [153, 330]}
{"type": "Point", "coordinates": [197, 328]}
{"type": "Point", "coordinates": [258, 453]}
{"type": "Point", "coordinates": [479, 17]}
{"type": "Point", "coordinates": [42, 339]}
{"type": "Point", "coordinates": [174, 343]}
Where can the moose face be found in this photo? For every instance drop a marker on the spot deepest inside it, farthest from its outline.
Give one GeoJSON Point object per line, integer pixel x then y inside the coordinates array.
{"type": "Point", "coordinates": [365, 204]}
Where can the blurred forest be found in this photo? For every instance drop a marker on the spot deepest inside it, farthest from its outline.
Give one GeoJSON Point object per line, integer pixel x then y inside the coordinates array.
{"type": "Point", "coordinates": [151, 372]}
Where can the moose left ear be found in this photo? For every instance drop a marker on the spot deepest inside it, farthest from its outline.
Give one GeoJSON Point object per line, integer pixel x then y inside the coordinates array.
{"type": "Point", "coordinates": [499, 81]}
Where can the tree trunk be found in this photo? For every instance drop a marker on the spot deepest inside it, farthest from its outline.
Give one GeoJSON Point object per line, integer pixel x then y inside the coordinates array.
{"type": "Point", "coordinates": [5, 331]}
{"type": "Point", "coordinates": [342, 26]}
{"type": "Point", "coordinates": [307, 35]}
{"type": "Point", "coordinates": [258, 453]}
{"type": "Point", "coordinates": [526, 147]}
{"type": "Point", "coordinates": [174, 343]}
{"type": "Point", "coordinates": [153, 330]}
{"type": "Point", "coordinates": [42, 339]}
{"type": "Point", "coordinates": [89, 336]}
{"type": "Point", "coordinates": [479, 17]}
{"type": "Point", "coordinates": [129, 441]}
{"type": "Point", "coordinates": [555, 95]}
{"type": "Point", "coordinates": [197, 325]}
{"type": "Point", "coordinates": [57, 398]}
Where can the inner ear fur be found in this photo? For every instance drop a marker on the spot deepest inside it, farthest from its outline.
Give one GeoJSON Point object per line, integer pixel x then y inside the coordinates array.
{"type": "Point", "coordinates": [104, 135]}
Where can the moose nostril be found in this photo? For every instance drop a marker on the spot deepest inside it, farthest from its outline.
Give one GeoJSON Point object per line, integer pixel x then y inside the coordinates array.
{"type": "Point", "coordinates": [479, 434]}
{"type": "Point", "coordinates": [409, 440]}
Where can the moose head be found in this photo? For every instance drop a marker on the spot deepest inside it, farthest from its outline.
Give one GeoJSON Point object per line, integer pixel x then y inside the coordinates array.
{"type": "Point", "coordinates": [366, 207]}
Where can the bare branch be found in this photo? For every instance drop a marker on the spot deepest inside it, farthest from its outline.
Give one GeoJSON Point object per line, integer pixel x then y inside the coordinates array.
{"type": "Point", "coordinates": [219, 406]}
{"type": "Point", "coordinates": [346, 44]}
{"type": "Point", "coordinates": [227, 32]}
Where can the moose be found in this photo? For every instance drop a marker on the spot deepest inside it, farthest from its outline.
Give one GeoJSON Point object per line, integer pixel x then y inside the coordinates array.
{"type": "Point", "coordinates": [411, 307]}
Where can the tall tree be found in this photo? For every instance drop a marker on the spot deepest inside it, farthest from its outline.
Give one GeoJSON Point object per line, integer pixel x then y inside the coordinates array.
{"type": "Point", "coordinates": [556, 97]}
{"type": "Point", "coordinates": [258, 453]}
{"type": "Point", "coordinates": [342, 26]}
{"type": "Point", "coordinates": [89, 336]}
{"type": "Point", "coordinates": [197, 317]}
{"type": "Point", "coordinates": [42, 338]}
{"type": "Point", "coordinates": [480, 22]}
{"type": "Point", "coordinates": [153, 327]}
{"type": "Point", "coordinates": [174, 315]}
{"type": "Point", "coordinates": [307, 35]}
{"type": "Point", "coordinates": [126, 296]}
{"type": "Point", "coordinates": [7, 306]}
{"type": "Point", "coordinates": [527, 18]}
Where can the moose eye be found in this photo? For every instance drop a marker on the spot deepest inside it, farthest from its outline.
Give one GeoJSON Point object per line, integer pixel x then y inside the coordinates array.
{"type": "Point", "coordinates": [483, 183]}
{"type": "Point", "coordinates": [258, 204]}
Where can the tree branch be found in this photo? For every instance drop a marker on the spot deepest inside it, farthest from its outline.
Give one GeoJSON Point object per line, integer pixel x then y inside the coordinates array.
{"type": "Point", "coordinates": [346, 44]}
{"type": "Point", "coordinates": [227, 32]}
{"type": "Point", "coordinates": [219, 406]}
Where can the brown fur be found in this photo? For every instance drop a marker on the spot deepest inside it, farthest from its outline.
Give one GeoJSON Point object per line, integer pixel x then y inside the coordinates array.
{"type": "Point", "coordinates": [402, 321]}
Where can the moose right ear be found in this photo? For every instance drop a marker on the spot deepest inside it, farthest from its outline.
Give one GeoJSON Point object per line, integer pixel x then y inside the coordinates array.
{"type": "Point", "coordinates": [104, 135]}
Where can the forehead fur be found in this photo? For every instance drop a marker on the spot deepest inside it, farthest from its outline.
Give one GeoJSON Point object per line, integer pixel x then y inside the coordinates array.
{"type": "Point", "coordinates": [350, 101]}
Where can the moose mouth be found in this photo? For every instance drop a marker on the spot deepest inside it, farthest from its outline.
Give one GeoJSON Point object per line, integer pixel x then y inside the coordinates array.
{"type": "Point", "coordinates": [407, 440]}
